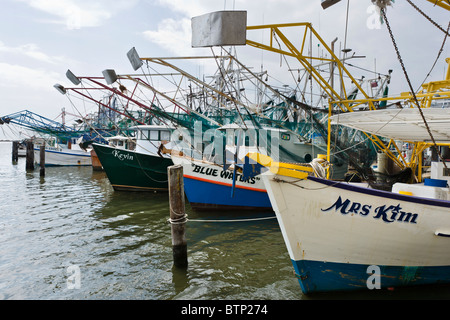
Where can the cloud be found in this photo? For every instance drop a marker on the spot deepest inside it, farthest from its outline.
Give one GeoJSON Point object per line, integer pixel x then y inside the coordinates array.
{"type": "Point", "coordinates": [172, 35]}
{"type": "Point", "coordinates": [30, 50]}
{"type": "Point", "coordinates": [14, 76]}
{"type": "Point", "coordinates": [76, 14]}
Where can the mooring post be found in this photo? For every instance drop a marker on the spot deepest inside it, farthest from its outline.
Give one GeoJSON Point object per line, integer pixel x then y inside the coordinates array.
{"type": "Point", "coordinates": [15, 151]}
{"type": "Point", "coordinates": [178, 216]}
{"type": "Point", "coordinates": [30, 155]}
{"type": "Point", "coordinates": [42, 160]}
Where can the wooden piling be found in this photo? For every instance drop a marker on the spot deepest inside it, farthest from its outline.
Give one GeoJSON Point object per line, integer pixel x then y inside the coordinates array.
{"type": "Point", "coordinates": [30, 156]}
{"type": "Point", "coordinates": [15, 151]}
{"type": "Point", "coordinates": [178, 216]}
{"type": "Point", "coordinates": [42, 161]}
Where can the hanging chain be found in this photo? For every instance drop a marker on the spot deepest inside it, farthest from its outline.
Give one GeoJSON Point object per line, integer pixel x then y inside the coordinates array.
{"type": "Point", "coordinates": [410, 86]}
{"type": "Point", "coordinates": [428, 18]}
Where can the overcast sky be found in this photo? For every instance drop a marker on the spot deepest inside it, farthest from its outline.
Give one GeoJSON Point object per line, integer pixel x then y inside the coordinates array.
{"type": "Point", "coordinates": [41, 39]}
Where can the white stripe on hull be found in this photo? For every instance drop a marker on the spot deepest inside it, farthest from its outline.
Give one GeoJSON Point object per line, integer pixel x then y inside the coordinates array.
{"type": "Point", "coordinates": [65, 158]}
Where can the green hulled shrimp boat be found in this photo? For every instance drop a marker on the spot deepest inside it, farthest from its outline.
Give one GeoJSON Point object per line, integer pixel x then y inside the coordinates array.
{"type": "Point", "coordinates": [141, 169]}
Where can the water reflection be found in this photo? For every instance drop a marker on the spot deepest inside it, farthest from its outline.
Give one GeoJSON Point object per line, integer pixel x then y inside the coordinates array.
{"type": "Point", "coordinates": [121, 242]}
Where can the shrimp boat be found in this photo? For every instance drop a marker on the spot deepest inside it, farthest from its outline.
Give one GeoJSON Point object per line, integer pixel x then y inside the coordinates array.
{"type": "Point", "coordinates": [64, 155]}
{"type": "Point", "coordinates": [141, 169]}
{"type": "Point", "coordinates": [349, 236]}
{"type": "Point", "coordinates": [211, 183]}
{"type": "Point", "coordinates": [353, 235]}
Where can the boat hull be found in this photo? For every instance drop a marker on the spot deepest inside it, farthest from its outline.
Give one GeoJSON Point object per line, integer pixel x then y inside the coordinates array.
{"type": "Point", "coordinates": [345, 237]}
{"type": "Point", "coordinates": [208, 186]}
{"type": "Point", "coordinates": [133, 171]}
{"type": "Point", "coordinates": [64, 157]}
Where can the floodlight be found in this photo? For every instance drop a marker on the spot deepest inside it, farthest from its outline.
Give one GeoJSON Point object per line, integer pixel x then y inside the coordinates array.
{"type": "Point", "coordinates": [74, 79]}
{"type": "Point", "coordinates": [134, 58]}
{"type": "Point", "coordinates": [110, 76]}
{"type": "Point", "coordinates": [329, 3]}
{"type": "Point", "coordinates": [221, 28]}
{"type": "Point", "coordinates": [60, 88]}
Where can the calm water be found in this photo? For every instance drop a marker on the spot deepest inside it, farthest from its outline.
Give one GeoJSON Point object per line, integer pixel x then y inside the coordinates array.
{"type": "Point", "coordinates": [119, 244]}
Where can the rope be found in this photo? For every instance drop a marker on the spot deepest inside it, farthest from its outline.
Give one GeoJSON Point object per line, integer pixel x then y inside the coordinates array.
{"type": "Point", "coordinates": [317, 166]}
{"type": "Point", "coordinates": [235, 220]}
{"type": "Point", "coordinates": [410, 86]}
{"type": "Point", "coordinates": [294, 183]}
{"type": "Point", "coordinates": [181, 220]}
{"type": "Point", "coordinates": [184, 219]}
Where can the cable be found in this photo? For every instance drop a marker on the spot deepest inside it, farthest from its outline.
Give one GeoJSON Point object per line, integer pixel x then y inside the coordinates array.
{"type": "Point", "coordinates": [410, 87]}
{"type": "Point", "coordinates": [428, 18]}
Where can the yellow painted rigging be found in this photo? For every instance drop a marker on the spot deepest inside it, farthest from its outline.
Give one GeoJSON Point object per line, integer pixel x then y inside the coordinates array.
{"type": "Point", "coordinates": [279, 43]}
{"type": "Point", "coordinates": [445, 4]}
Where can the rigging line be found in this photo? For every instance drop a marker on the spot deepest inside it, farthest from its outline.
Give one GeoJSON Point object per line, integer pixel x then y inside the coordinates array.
{"type": "Point", "coordinates": [233, 100]}
{"type": "Point", "coordinates": [276, 93]}
{"type": "Point", "coordinates": [90, 124]}
{"type": "Point", "coordinates": [428, 18]}
{"type": "Point", "coordinates": [361, 68]}
{"type": "Point", "coordinates": [284, 56]}
{"type": "Point", "coordinates": [437, 58]}
{"type": "Point", "coordinates": [411, 88]}
{"type": "Point", "coordinates": [346, 26]}
{"type": "Point", "coordinates": [73, 105]}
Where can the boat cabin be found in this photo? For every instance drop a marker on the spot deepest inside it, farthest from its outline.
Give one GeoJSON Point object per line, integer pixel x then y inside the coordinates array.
{"type": "Point", "coordinates": [150, 137]}
{"type": "Point", "coordinates": [122, 142]}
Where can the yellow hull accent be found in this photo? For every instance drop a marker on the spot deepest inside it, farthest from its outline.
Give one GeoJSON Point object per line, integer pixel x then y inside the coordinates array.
{"type": "Point", "coordinates": [282, 168]}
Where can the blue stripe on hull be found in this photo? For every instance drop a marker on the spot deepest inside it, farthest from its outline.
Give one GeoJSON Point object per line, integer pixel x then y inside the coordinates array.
{"type": "Point", "coordinates": [317, 276]}
{"type": "Point", "coordinates": [210, 195]}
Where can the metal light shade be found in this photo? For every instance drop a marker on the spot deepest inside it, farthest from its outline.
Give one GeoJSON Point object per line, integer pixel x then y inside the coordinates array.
{"type": "Point", "coordinates": [134, 58]}
{"type": "Point", "coordinates": [221, 28]}
{"type": "Point", "coordinates": [110, 76]}
{"type": "Point", "coordinates": [60, 88]}
{"type": "Point", "coordinates": [329, 3]}
{"type": "Point", "coordinates": [74, 79]}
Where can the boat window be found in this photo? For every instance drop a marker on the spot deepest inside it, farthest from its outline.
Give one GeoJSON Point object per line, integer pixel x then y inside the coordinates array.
{"type": "Point", "coordinates": [230, 138]}
{"type": "Point", "coordinates": [165, 135]}
{"type": "Point", "coordinates": [154, 134]}
{"type": "Point", "coordinates": [144, 134]}
{"type": "Point", "coordinates": [251, 138]}
{"type": "Point", "coordinates": [120, 143]}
